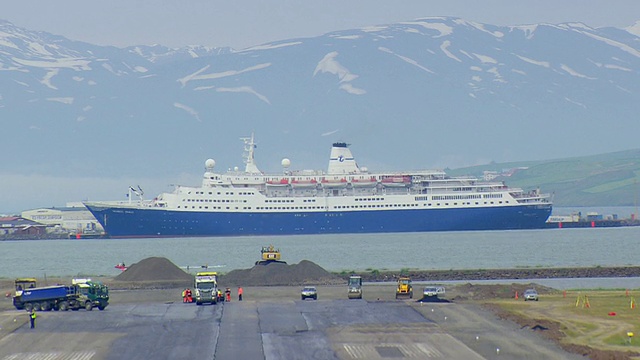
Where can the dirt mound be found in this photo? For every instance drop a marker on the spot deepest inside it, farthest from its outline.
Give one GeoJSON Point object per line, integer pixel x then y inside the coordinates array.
{"type": "Point", "coordinates": [154, 269]}
{"type": "Point", "coordinates": [278, 274]}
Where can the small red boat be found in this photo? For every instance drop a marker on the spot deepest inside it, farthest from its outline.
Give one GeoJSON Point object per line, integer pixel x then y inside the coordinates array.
{"type": "Point", "coordinates": [121, 266]}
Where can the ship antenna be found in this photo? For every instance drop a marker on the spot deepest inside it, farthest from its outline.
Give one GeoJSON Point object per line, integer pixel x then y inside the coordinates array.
{"type": "Point", "coordinates": [248, 155]}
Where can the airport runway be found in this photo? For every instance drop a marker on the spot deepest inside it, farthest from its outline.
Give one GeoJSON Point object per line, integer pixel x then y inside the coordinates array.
{"type": "Point", "coordinates": [330, 328]}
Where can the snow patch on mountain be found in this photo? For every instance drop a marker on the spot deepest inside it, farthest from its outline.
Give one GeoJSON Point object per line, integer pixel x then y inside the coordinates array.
{"type": "Point", "coordinates": [634, 29]}
{"type": "Point", "coordinates": [348, 37]}
{"type": "Point", "coordinates": [441, 28]}
{"type": "Point", "coordinates": [69, 63]}
{"type": "Point", "coordinates": [445, 49]}
{"type": "Point", "coordinates": [46, 80]}
{"type": "Point", "coordinates": [376, 28]}
{"type": "Point", "coordinates": [189, 110]}
{"type": "Point", "coordinates": [406, 59]}
{"type": "Point", "coordinates": [534, 62]}
{"type": "Point", "coordinates": [481, 27]}
{"type": "Point", "coordinates": [619, 45]}
{"type": "Point", "coordinates": [270, 46]}
{"type": "Point", "coordinates": [330, 65]}
{"type": "Point", "coordinates": [496, 74]}
{"type": "Point", "coordinates": [245, 89]}
{"type": "Point", "coordinates": [485, 59]}
{"type": "Point", "coordinates": [575, 102]}
{"type": "Point", "coordinates": [63, 100]}
{"type": "Point", "coordinates": [528, 30]}
{"type": "Point", "coordinates": [217, 75]}
{"type": "Point", "coordinates": [572, 72]}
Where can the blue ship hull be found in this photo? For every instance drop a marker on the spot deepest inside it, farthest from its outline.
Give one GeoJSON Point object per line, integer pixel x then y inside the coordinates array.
{"type": "Point", "coordinates": [149, 222]}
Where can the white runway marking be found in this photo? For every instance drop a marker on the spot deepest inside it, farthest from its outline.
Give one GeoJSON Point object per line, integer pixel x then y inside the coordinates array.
{"type": "Point", "coordinates": [76, 355]}
{"type": "Point", "coordinates": [409, 351]}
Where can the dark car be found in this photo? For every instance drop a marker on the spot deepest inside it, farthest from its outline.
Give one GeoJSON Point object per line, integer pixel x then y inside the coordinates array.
{"type": "Point", "coordinates": [309, 292]}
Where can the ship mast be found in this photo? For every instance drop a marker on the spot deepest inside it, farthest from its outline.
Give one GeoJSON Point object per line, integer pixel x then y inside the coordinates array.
{"type": "Point", "coordinates": [249, 148]}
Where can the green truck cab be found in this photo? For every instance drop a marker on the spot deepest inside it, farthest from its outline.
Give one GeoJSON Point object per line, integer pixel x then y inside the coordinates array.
{"type": "Point", "coordinates": [91, 294]}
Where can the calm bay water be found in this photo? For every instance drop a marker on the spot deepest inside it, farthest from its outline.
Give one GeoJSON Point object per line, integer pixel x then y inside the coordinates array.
{"type": "Point", "coordinates": [445, 250]}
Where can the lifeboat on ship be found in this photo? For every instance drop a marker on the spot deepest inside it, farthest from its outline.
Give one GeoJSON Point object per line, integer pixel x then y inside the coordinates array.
{"type": "Point", "coordinates": [334, 183]}
{"type": "Point", "coordinates": [396, 181]}
{"type": "Point", "coordinates": [304, 183]}
{"type": "Point", "coordinates": [364, 182]}
{"type": "Point", "coordinates": [280, 182]}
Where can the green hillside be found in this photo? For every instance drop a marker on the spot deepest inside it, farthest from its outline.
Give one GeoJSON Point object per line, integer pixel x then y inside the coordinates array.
{"type": "Point", "coordinates": [600, 180]}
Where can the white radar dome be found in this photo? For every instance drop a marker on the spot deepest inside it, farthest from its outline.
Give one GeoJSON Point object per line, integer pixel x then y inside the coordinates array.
{"type": "Point", "coordinates": [209, 164]}
{"type": "Point", "coordinates": [235, 168]}
{"type": "Point", "coordinates": [286, 163]}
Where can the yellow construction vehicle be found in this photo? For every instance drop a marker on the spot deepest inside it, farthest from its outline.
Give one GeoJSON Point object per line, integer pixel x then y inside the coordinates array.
{"type": "Point", "coordinates": [269, 255]}
{"type": "Point", "coordinates": [404, 288]}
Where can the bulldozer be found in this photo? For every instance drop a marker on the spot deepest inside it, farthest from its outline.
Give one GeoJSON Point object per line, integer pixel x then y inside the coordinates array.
{"type": "Point", "coordinates": [404, 288]}
{"type": "Point", "coordinates": [269, 255]}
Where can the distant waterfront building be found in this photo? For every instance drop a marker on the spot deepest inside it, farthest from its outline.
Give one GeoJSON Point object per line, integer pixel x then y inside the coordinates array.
{"type": "Point", "coordinates": [15, 226]}
{"type": "Point", "coordinates": [73, 218]}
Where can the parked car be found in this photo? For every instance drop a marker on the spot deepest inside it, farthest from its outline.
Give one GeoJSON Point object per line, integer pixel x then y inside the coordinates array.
{"type": "Point", "coordinates": [432, 291]}
{"type": "Point", "coordinates": [530, 294]}
{"type": "Point", "coordinates": [309, 292]}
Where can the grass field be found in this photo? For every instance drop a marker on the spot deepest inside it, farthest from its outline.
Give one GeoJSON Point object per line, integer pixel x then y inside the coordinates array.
{"type": "Point", "coordinates": [601, 319]}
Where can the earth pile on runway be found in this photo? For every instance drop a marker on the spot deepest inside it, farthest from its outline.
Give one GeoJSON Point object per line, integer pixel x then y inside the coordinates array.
{"type": "Point", "coordinates": [279, 274]}
{"type": "Point", "coordinates": [154, 269]}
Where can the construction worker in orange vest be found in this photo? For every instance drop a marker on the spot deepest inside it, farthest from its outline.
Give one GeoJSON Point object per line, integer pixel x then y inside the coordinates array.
{"type": "Point", "coordinates": [228, 293]}
{"type": "Point", "coordinates": [240, 293]}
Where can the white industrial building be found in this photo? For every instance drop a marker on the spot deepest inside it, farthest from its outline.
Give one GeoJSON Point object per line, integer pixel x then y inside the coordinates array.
{"type": "Point", "coordinates": [73, 218]}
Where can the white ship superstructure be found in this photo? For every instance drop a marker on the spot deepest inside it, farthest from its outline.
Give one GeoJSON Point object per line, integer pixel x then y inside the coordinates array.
{"type": "Point", "coordinates": [344, 199]}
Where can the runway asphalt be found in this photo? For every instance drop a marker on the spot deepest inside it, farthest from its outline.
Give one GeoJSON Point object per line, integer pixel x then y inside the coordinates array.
{"type": "Point", "coordinates": [272, 323]}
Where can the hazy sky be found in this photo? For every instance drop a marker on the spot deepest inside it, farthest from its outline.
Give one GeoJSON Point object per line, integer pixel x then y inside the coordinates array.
{"type": "Point", "coordinates": [243, 23]}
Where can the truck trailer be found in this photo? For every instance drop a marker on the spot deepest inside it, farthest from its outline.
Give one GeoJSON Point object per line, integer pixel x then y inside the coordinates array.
{"type": "Point", "coordinates": [60, 297]}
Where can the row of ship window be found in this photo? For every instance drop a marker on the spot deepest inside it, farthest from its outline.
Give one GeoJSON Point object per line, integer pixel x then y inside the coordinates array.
{"type": "Point", "coordinates": [410, 205]}
{"type": "Point", "coordinates": [288, 200]}
{"type": "Point", "coordinates": [210, 200]}
{"type": "Point", "coordinates": [417, 198]}
{"type": "Point", "coordinates": [226, 193]}
{"type": "Point", "coordinates": [338, 207]}
{"type": "Point", "coordinates": [244, 201]}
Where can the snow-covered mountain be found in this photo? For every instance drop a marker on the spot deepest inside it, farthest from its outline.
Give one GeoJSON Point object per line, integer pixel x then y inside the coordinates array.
{"type": "Point", "coordinates": [432, 92]}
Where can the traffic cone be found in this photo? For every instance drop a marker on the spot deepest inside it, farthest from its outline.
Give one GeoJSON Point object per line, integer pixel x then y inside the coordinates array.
{"type": "Point", "coordinates": [516, 295]}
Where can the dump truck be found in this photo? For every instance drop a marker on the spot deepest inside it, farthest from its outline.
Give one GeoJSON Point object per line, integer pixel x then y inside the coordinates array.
{"type": "Point", "coordinates": [206, 287]}
{"type": "Point", "coordinates": [92, 293]}
{"type": "Point", "coordinates": [355, 287]}
{"type": "Point", "coordinates": [60, 297]}
{"type": "Point", "coordinates": [45, 298]}
{"type": "Point", "coordinates": [404, 288]}
{"type": "Point", "coordinates": [269, 255]}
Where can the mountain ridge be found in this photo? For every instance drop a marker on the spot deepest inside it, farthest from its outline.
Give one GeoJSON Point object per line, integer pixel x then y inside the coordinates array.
{"type": "Point", "coordinates": [428, 93]}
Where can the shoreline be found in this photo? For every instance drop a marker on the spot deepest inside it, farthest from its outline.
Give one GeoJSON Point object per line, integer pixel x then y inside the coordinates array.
{"type": "Point", "coordinates": [501, 274]}
{"type": "Point", "coordinates": [444, 275]}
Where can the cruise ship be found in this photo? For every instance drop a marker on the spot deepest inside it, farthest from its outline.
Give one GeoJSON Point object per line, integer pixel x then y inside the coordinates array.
{"type": "Point", "coordinates": [346, 198]}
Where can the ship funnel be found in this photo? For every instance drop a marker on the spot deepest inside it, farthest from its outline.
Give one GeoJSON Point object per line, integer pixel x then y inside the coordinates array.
{"type": "Point", "coordinates": [341, 161]}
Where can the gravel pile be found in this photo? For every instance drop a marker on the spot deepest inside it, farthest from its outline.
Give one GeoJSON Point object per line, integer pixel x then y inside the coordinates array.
{"type": "Point", "coordinates": [279, 274]}
{"type": "Point", "coordinates": [154, 269]}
